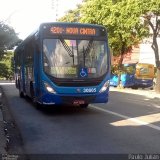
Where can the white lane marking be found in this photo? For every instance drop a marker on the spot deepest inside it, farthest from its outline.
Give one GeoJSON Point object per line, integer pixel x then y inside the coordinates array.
{"type": "Point", "coordinates": [127, 118]}
{"type": "Point", "coordinates": [156, 106]}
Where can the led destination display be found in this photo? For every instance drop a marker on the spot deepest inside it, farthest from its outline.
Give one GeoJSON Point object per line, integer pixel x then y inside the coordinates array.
{"type": "Point", "coordinates": [73, 30]}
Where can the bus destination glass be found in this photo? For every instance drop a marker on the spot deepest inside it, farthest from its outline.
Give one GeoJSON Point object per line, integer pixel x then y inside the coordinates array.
{"type": "Point", "coordinates": [81, 31]}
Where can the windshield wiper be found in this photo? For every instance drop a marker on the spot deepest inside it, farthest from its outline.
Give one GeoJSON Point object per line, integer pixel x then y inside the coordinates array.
{"type": "Point", "coordinates": [67, 48]}
{"type": "Point", "coordinates": [87, 50]}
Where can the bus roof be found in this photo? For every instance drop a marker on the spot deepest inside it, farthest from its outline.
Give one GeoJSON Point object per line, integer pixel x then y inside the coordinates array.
{"type": "Point", "coordinates": [58, 24]}
{"type": "Point", "coordinates": [70, 23]}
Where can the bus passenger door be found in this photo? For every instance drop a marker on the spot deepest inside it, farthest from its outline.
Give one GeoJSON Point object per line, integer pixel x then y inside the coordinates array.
{"type": "Point", "coordinates": [29, 59]}
{"type": "Point", "coordinates": [21, 76]}
{"type": "Point", "coordinates": [36, 70]}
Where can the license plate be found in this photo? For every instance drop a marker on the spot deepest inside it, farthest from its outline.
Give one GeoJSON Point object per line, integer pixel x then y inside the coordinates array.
{"type": "Point", "coordinates": [77, 102]}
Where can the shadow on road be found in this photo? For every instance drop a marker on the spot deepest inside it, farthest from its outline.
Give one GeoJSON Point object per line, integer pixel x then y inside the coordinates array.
{"type": "Point", "coordinates": [59, 110]}
{"type": "Point", "coordinates": [73, 130]}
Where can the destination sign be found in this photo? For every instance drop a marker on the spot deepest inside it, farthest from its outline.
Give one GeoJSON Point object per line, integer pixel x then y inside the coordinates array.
{"type": "Point", "coordinates": [73, 30]}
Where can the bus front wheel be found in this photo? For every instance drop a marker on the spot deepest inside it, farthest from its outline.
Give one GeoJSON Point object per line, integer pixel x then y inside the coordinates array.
{"type": "Point", "coordinates": [83, 105]}
{"type": "Point", "coordinates": [37, 105]}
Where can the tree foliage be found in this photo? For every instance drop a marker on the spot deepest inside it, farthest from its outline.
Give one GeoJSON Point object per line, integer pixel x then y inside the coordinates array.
{"type": "Point", "coordinates": [127, 22]}
{"type": "Point", "coordinates": [6, 65]}
{"type": "Point", "coordinates": [149, 11]}
{"type": "Point", "coordinates": [122, 18]}
{"type": "Point", "coordinates": [124, 27]}
{"type": "Point", "coordinates": [7, 38]}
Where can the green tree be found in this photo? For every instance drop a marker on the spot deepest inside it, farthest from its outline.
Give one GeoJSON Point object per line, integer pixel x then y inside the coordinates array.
{"type": "Point", "coordinates": [123, 20]}
{"type": "Point", "coordinates": [6, 65]}
{"type": "Point", "coordinates": [149, 11]}
{"type": "Point", "coordinates": [124, 27]}
{"type": "Point", "coordinates": [7, 38]}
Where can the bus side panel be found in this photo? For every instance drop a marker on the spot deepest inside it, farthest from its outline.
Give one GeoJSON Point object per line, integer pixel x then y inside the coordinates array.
{"type": "Point", "coordinates": [144, 83]}
{"type": "Point", "coordinates": [114, 80]}
{"type": "Point", "coordinates": [22, 76]}
{"type": "Point", "coordinates": [127, 80]}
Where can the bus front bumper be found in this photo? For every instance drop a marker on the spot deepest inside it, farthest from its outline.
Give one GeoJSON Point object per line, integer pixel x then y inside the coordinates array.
{"type": "Point", "coordinates": [51, 99]}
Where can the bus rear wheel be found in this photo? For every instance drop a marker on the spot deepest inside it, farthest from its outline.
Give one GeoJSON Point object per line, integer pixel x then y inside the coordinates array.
{"type": "Point", "coordinates": [32, 92]}
{"type": "Point", "coordinates": [21, 94]}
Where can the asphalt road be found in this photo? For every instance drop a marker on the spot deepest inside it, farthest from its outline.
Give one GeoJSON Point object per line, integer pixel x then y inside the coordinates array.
{"type": "Point", "coordinates": [128, 124]}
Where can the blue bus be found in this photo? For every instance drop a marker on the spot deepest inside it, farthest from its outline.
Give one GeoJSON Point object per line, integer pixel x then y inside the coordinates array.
{"type": "Point", "coordinates": [128, 76]}
{"type": "Point", "coordinates": [136, 75]}
{"type": "Point", "coordinates": [64, 63]}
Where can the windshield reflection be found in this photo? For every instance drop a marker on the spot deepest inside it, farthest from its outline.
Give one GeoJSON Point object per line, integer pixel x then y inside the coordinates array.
{"type": "Point", "coordinates": [65, 58]}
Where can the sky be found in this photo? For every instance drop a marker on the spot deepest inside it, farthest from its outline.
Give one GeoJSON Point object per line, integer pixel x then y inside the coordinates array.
{"type": "Point", "coordinates": [26, 15]}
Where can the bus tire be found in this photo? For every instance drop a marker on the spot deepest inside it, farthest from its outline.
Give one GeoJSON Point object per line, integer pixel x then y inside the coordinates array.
{"type": "Point", "coordinates": [83, 105]}
{"type": "Point", "coordinates": [21, 95]}
{"type": "Point", "coordinates": [32, 92]}
{"type": "Point", "coordinates": [37, 105]}
{"type": "Point", "coordinates": [134, 87]}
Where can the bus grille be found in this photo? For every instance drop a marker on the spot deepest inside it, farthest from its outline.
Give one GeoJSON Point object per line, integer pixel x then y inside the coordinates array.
{"type": "Point", "coordinates": [76, 84]}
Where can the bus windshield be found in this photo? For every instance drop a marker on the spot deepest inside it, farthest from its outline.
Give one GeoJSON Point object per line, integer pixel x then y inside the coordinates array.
{"type": "Point", "coordinates": [65, 58]}
{"type": "Point", "coordinates": [129, 69]}
{"type": "Point", "coordinates": [144, 70]}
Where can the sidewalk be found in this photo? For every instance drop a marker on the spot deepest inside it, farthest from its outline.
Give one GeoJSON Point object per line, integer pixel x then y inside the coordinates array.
{"type": "Point", "coordinates": [144, 92]}
{"type": "Point", "coordinates": [11, 142]}
{"type": "Point", "coordinates": [2, 134]}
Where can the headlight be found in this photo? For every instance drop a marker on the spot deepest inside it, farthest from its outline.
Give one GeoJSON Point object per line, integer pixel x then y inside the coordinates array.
{"type": "Point", "coordinates": [49, 88]}
{"type": "Point", "coordinates": [105, 86]}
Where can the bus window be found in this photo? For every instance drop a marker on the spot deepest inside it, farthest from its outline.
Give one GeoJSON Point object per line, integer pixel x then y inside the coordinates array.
{"type": "Point", "coordinates": [129, 69]}
{"type": "Point", "coordinates": [144, 70]}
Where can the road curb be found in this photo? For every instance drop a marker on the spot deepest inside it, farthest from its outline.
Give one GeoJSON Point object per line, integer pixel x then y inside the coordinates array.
{"type": "Point", "coordinates": [2, 133]}
{"type": "Point", "coordinates": [13, 143]}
